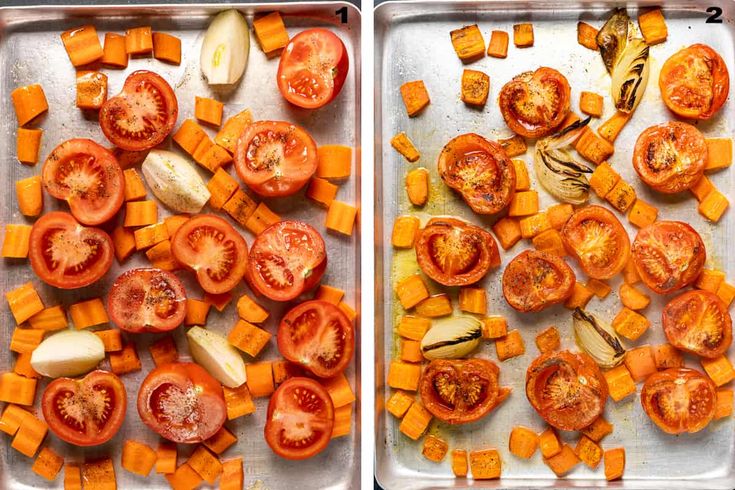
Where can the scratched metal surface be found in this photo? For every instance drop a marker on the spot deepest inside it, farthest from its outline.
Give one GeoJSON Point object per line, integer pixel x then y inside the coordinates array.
{"type": "Point", "coordinates": [31, 52]}
{"type": "Point", "coordinates": [412, 42]}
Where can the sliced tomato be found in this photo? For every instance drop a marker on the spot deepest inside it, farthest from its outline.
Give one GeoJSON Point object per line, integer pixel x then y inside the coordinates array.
{"type": "Point", "coordinates": [668, 255]}
{"type": "Point", "coordinates": [694, 82]}
{"type": "Point", "coordinates": [535, 103]}
{"type": "Point", "coordinates": [596, 238]}
{"type": "Point", "coordinates": [313, 68]}
{"type": "Point", "coordinates": [461, 391]}
{"type": "Point", "coordinates": [67, 255]}
{"type": "Point", "coordinates": [318, 336]}
{"type": "Point", "coordinates": [182, 402]}
{"type": "Point", "coordinates": [212, 248]}
{"type": "Point", "coordinates": [455, 253]}
{"type": "Point", "coordinates": [679, 400]}
{"type": "Point", "coordinates": [698, 322]}
{"type": "Point", "coordinates": [670, 157]}
{"type": "Point", "coordinates": [147, 300]}
{"type": "Point", "coordinates": [567, 389]}
{"type": "Point", "coordinates": [275, 158]}
{"type": "Point", "coordinates": [286, 259]}
{"type": "Point", "coordinates": [88, 177]}
{"type": "Point", "coordinates": [300, 419]}
{"type": "Point", "coordinates": [87, 411]}
{"type": "Point", "coordinates": [142, 114]}
{"type": "Point", "coordinates": [535, 280]}
{"type": "Point", "coordinates": [480, 171]}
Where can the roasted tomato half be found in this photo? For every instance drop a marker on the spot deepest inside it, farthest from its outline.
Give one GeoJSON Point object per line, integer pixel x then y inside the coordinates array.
{"type": "Point", "coordinates": [318, 336]}
{"type": "Point", "coordinates": [67, 255]}
{"type": "Point", "coordinates": [88, 177]}
{"type": "Point", "coordinates": [698, 322]}
{"type": "Point", "coordinates": [212, 248]}
{"type": "Point", "coordinates": [534, 280]}
{"type": "Point", "coordinates": [147, 300]}
{"type": "Point", "coordinates": [461, 391]}
{"type": "Point", "coordinates": [142, 115]}
{"type": "Point", "coordinates": [668, 255]}
{"type": "Point", "coordinates": [313, 68]}
{"type": "Point", "coordinates": [670, 157]}
{"type": "Point", "coordinates": [182, 402]}
{"type": "Point", "coordinates": [275, 158]}
{"type": "Point", "coordinates": [455, 253]}
{"type": "Point", "coordinates": [300, 419]}
{"type": "Point", "coordinates": [679, 400]}
{"type": "Point", "coordinates": [596, 238]}
{"type": "Point", "coordinates": [480, 171]}
{"type": "Point", "coordinates": [287, 259]}
{"type": "Point", "coordinates": [567, 389]}
{"type": "Point", "coordinates": [87, 411]}
{"type": "Point", "coordinates": [535, 103]}
{"type": "Point", "coordinates": [694, 82]}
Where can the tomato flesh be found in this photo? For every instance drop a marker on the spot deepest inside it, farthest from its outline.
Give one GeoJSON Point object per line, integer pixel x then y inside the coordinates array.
{"type": "Point", "coordinates": [698, 322]}
{"type": "Point", "coordinates": [535, 280]}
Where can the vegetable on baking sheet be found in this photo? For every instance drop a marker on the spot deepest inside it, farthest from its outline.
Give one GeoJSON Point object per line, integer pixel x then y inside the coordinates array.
{"type": "Point", "coordinates": [630, 76]}
{"type": "Point", "coordinates": [68, 353]}
{"type": "Point", "coordinates": [213, 352]}
{"type": "Point", "coordinates": [174, 181]}
{"type": "Point", "coordinates": [452, 337]}
{"type": "Point", "coordinates": [225, 48]}
{"type": "Point", "coordinates": [613, 37]}
{"type": "Point", "coordinates": [598, 339]}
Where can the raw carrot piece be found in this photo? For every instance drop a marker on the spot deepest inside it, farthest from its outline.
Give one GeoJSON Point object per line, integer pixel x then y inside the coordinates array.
{"type": "Point", "coordinates": [398, 404]}
{"type": "Point", "coordinates": [82, 45]}
{"type": "Point", "coordinates": [134, 187]}
{"type": "Point", "coordinates": [25, 340]}
{"type": "Point", "coordinates": [240, 206]}
{"type": "Point", "coordinates": [523, 181]}
{"type": "Point", "coordinates": [125, 361]}
{"type": "Point", "coordinates": [161, 256]}
{"type": "Point", "coordinates": [260, 379]}
{"type": "Point", "coordinates": [123, 239]}
{"type": "Point", "coordinates": [271, 33]}
{"type": "Point", "coordinates": [713, 206]}
{"type": "Point", "coordinates": [208, 110]}
{"type": "Point", "coordinates": [710, 280]}
{"type": "Point", "coordinates": [459, 463]}
{"type": "Point", "coordinates": [150, 235]}
{"type": "Point", "coordinates": [339, 390]}
{"type": "Point", "coordinates": [592, 147]}
{"type": "Point", "coordinates": [415, 421]}
{"type": "Point", "coordinates": [138, 457]}
{"type": "Point", "coordinates": [630, 273]}
{"type": "Point", "coordinates": [250, 311]}
{"type": "Point", "coordinates": [523, 35]}
{"type": "Point", "coordinates": [604, 179]}
{"type": "Point", "coordinates": [139, 40]}
{"type": "Point", "coordinates": [653, 26]}
{"type": "Point", "coordinates": [404, 376]}
{"type": "Point", "coordinates": [283, 370]}
{"type": "Point", "coordinates": [163, 351]}
{"type": "Point", "coordinates": [498, 45]}
{"type": "Point", "coordinates": [111, 338]}
{"type": "Point", "coordinates": [415, 97]}
{"type": "Point", "coordinates": [468, 43]}
{"type": "Point", "coordinates": [417, 186]}
{"type": "Point", "coordinates": [335, 162]}
{"type": "Point", "coordinates": [589, 452]}
{"type": "Point", "coordinates": [29, 436]}
{"type": "Point", "coordinates": [667, 356]}
{"type": "Point", "coordinates": [91, 89]}
{"type": "Point", "coordinates": [523, 442]}
{"type": "Point", "coordinates": [563, 462]}
{"type": "Point", "coordinates": [248, 338]}
{"type": "Point", "coordinates": [633, 298]}
{"type": "Point", "coordinates": [262, 218]}
{"type": "Point", "coordinates": [211, 156]}
{"type": "Point", "coordinates": [232, 129]}
{"type": "Point", "coordinates": [321, 191]}
{"type": "Point", "coordinates": [184, 478]}
{"type": "Point", "coordinates": [724, 406]}
{"type": "Point", "coordinates": [473, 300]}
{"type": "Point", "coordinates": [16, 241]}
{"type": "Point", "coordinates": [642, 214]}
{"type": "Point", "coordinates": [404, 233]}
{"type": "Point", "coordinates": [719, 369]}
{"type": "Point", "coordinates": [88, 313]}
{"type": "Point", "coordinates": [434, 449]}
{"type": "Point", "coordinates": [113, 53]}
{"type": "Point", "coordinates": [598, 287]}
{"type": "Point", "coordinates": [221, 187]}
{"type": "Point", "coordinates": [347, 310]}
{"type": "Point", "coordinates": [587, 36]}
{"type": "Point", "coordinates": [549, 443]}
{"type": "Point", "coordinates": [23, 366]}
{"type": "Point", "coordinates": [219, 442]}
{"type": "Point", "coordinates": [534, 225]}
{"type": "Point", "coordinates": [17, 389]}
{"type": "Point", "coordinates": [167, 48]}
{"type": "Point", "coordinates": [405, 147]}
{"type": "Point", "coordinates": [411, 351]}
{"type": "Point", "coordinates": [610, 129]}
{"type": "Point", "coordinates": [24, 302]}
{"type": "Point", "coordinates": [548, 340]}
{"type": "Point", "coordinates": [702, 188]}
{"type": "Point", "coordinates": [485, 464]}
{"type": "Point", "coordinates": [232, 474]}
{"type": "Point", "coordinates": [719, 153]}
{"type": "Point", "coordinates": [99, 475]}
{"type": "Point", "coordinates": [523, 204]}
{"type": "Point", "coordinates": [219, 301]}
{"type": "Point", "coordinates": [640, 362]}
{"type": "Point", "coordinates": [435, 306]}
{"type": "Point", "coordinates": [140, 213]}
{"type": "Point", "coordinates": [13, 417]}
{"type": "Point", "coordinates": [630, 324]}
{"type": "Point", "coordinates": [342, 421]}
{"type": "Point", "coordinates": [514, 146]}
{"type": "Point", "coordinates": [196, 312]}
{"type": "Point", "coordinates": [508, 232]}
{"type": "Point", "coordinates": [166, 454]}
{"type": "Point", "coordinates": [28, 144]}
{"type": "Point", "coordinates": [475, 87]}
{"type": "Point", "coordinates": [622, 196]}
{"type": "Point", "coordinates": [28, 102]}
{"type": "Point", "coordinates": [614, 463]}
{"type": "Point", "coordinates": [189, 136]}
{"type": "Point", "coordinates": [413, 327]}
{"type": "Point", "coordinates": [494, 327]}
{"type": "Point", "coordinates": [591, 104]}
{"type": "Point", "coordinates": [510, 346]}
{"type": "Point", "coordinates": [619, 382]}
{"type": "Point", "coordinates": [598, 429]}
{"type": "Point", "coordinates": [72, 477]}
{"type": "Point", "coordinates": [726, 292]}
{"type": "Point", "coordinates": [30, 196]}
{"type": "Point", "coordinates": [207, 465]}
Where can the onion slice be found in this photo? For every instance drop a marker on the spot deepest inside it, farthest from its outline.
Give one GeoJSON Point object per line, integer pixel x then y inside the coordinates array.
{"type": "Point", "coordinates": [598, 339]}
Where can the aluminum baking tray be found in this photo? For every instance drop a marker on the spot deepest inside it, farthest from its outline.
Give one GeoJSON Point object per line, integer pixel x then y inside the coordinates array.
{"type": "Point", "coordinates": [412, 42]}
{"type": "Point", "coordinates": [31, 52]}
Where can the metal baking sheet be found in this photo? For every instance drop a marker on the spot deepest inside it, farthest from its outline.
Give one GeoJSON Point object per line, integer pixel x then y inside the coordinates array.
{"type": "Point", "coordinates": [31, 52]}
{"type": "Point", "coordinates": [412, 42]}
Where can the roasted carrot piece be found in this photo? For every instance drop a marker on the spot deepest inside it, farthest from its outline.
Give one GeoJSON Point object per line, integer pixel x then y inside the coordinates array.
{"type": "Point", "coordinates": [166, 457]}
{"type": "Point", "coordinates": [630, 324]}
{"type": "Point", "coordinates": [523, 442]}
{"type": "Point", "coordinates": [208, 110]}
{"type": "Point", "coordinates": [622, 196]}
{"type": "Point", "coordinates": [524, 203]}
{"type": "Point", "coordinates": [250, 311]}
{"type": "Point", "coordinates": [123, 239]}
{"type": "Point", "coordinates": [91, 89]}
{"type": "Point", "coordinates": [411, 291]}
{"type": "Point", "coordinates": [619, 382]}
{"type": "Point", "coordinates": [598, 429]}
{"type": "Point", "coordinates": [397, 405]}
{"type": "Point", "coordinates": [260, 379]}
{"type": "Point", "coordinates": [48, 464]}
{"type": "Point", "coordinates": [614, 463]}
{"type": "Point", "coordinates": [30, 196]}
{"type": "Point", "coordinates": [114, 53]}
{"type": "Point", "coordinates": [196, 312]}
{"type": "Point", "coordinates": [23, 366]}
{"type": "Point", "coordinates": [232, 474]}
{"type": "Point", "coordinates": [404, 376]}
{"type": "Point", "coordinates": [140, 213]}
{"type": "Point", "coordinates": [25, 340]}
{"type": "Point", "coordinates": [410, 351]}
{"type": "Point", "coordinates": [475, 87]}
{"type": "Point", "coordinates": [713, 206]}
{"type": "Point", "coordinates": [514, 146]}
{"type": "Point", "coordinates": [335, 162]}
{"type": "Point", "coordinates": [719, 153]}
{"type": "Point", "coordinates": [592, 147]}
{"type": "Point", "coordinates": [261, 218]}
{"type": "Point", "coordinates": [415, 421]}
{"type": "Point", "coordinates": [321, 191]}
{"type": "Point", "coordinates": [549, 443]}
{"type": "Point", "coordinates": [111, 338]}
{"type": "Point", "coordinates": [125, 361]}
{"type": "Point", "coordinates": [589, 452]}
{"type": "Point", "coordinates": [207, 465]}
{"type": "Point", "coordinates": [591, 104]}
{"type": "Point", "coordinates": [641, 362]}
{"type": "Point", "coordinates": [16, 241]}
{"type": "Point", "coordinates": [630, 273]}
{"type": "Point", "coordinates": [150, 235]}
{"type": "Point", "coordinates": [28, 102]}
{"type": "Point", "coordinates": [139, 40]}
{"type": "Point", "coordinates": [642, 214]}
{"type": "Point", "coordinates": [29, 436]}
{"type": "Point", "coordinates": [485, 464]}
{"type": "Point", "coordinates": [24, 302]}
{"type": "Point", "coordinates": [248, 338]}
{"type": "Point", "coordinates": [240, 206]}
{"type": "Point", "coordinates": [498, 45]}
{"type": "Point", "coordinates": [404, 233]}
{"type": "Point", "coordinates": [435, 306]}
{"type": "Point", "coordinates": [163, 351]}
{"type": "Point", "coordinates": [599, 288]}
{"type": "Point", "coordinates": [604, 179]}
{"type": "Point", "coordinates": [417, 186]}
{"type": "Point", "coordinates": [28, 144]}
{"type": "Point", "coordinates": [415, 97]}
{"type": "Point", "coordinates": [702, 188]}
{"type": "Point", "coordinates": [548, 340]}
{"type": "Point", "coordinates": [719, 369]}
{"type": "Point", "coordinates": [726, 292]}
{"type": "Point", "coordinates": [587, 36]}
{"type": "Point", "coordinates": [666, 356]}
{"type": "Point", "coordinates": [167, 48]}
{"type": "Point", "coordinates": [271, 33]}
{"type": "Point", "coordinates": [219, 442]}
{"type": "Point", "coordinates": [468, 43]}
{"type": "Point", "coordinates": [533, 225]}
{"type": "Point", "coordinates": [523, 181]}
{"type": "Point", "coordinates": [510, 346]}
{"type": "Point", "coordinates": [232, 129]}
{"type": "Point", "coordinates": [563, 462]}
{"type": "Point", "coordinates": [724, 405]}
{"type": "Point", "coordinates": [239, 401]}
{"type": "Point", "coordinates": [459, 463]}
{"type": "Point", "coordinates": [610, 129]}
{"type": "Point", "coordinates": [138, 457]}
{"type": "Point", "coordinates": [219, 301]}
{"type": "Point", "coordinates": [434, 449]}
{"type": "Point", "coordinates": [413, 327]}
{"type": "Point", "coordinates": [88, 313]}
{"type": "Point", "coordinates": [653, 26]}
{"type": "Point", "coordinates": [710, 280]}
{"type": "Point", "coordinates": [508, 232]}
{"type": "Point", "coordinates": [82, 45]}
{"type": "Point", "coordinates": [473, 300]}
{"type": "Point", "coordinates": [72, 477]}
{"type": "Point", "coordinates": [523, 35]}
{"type": "Point", "coordinates": [633, 298]}
{"type": "Point", "coordinates": [494, 327]}
{"type": "Point", "coordinates": [405, 147]}
{"type": "Point", "coordinates": [184, 478]}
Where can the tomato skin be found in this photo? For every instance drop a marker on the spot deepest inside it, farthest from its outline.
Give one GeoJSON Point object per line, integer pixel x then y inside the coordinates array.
{"type": "Point", "coordinates": [694, 82]}
{"type": "Point", "coordinates": [275, 158]}
{"type": "Point", "coordinates": [183, 385]}
{"type": "Point", "coordinates": [668, 255]}
{"type": "Point", "coordinates": [211, 247]}
{"type": "Point", "coordinates": [147, 300]}
{"type": "Point", "coordinates": [147, 97]}
{"type": "Point", "coordinates": [589, 226]}
{"type": "Point", "coordinates": [82, 394]}
{"type": "Point", "coordinates": [670, 157]}
{"type": "Point", "coordinates": [566, 373]}
{"type": "Point", "coordinates": [480, 171]}
{"type": "Point", "coordinates": [519, 102]}
{"type": "Point", "coordinates": [313, 68]}
{"type": "Point", "coordinates": [303, 331]}
{"type": "Point", "coordinates": [297, 405]}
{"type": "Point", "coordinates": [67, 173]}
{"type": "Point", "coordinates": [286, 259]}
{"type": "Point", "coordinates": [679, 400]}
{"type": "Point", "coordinates": [469, 251]}
{"type": "Point", "coordinates": [535, 280]}
{"type": "Point", "coordinates": [698, 322]}
{"type": "Point", "coordinates": [476, 377]}
{"type": "Point", "coordinates": [67, 255]}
